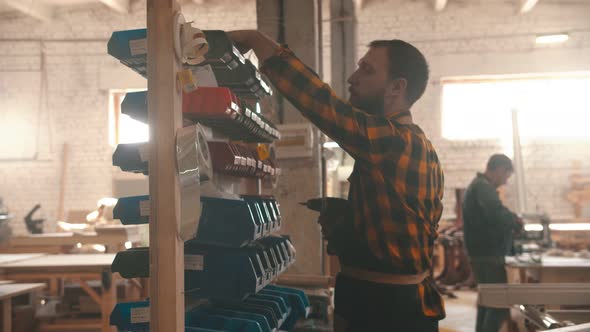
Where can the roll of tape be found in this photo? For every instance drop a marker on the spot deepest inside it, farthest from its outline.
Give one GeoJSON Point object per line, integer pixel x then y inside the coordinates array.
{"type": "Point", "coordinates": [194, 45]}
{"type": "Point", "coordinates": [204, 156]}
{"type": "Point", "coordinates": [187, 163]}
{"type": "Point", "coordinates": [194, 168]}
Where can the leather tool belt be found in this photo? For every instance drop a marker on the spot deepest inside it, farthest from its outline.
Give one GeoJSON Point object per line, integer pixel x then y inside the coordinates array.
{"type": "Point", "coordinates": [384, 278]}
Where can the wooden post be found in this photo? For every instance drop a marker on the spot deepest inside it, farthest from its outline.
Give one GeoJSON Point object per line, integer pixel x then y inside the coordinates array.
{"type": "Point", "coordinates": [7, 314]}
{"type": "Point", "coordinates": [164, 118]}
{"type": "Point", "coordinates": [107, 299]}
{"type": "Point", "coordinates": [62, 183]}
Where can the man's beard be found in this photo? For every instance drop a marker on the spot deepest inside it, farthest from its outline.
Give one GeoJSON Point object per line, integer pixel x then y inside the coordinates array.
{"type": "Point", "coordinates": [373, 105]}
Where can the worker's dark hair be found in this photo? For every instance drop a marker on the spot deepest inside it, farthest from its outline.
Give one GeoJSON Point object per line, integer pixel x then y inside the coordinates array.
{"type": "Point", "coordinates": [406, 61]}
{"type": "Point", "coordinates": [499, 160]}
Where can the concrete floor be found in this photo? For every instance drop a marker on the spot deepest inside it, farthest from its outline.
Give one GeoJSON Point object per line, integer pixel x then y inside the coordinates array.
{"type": "Point", "coordinates": [460, 312]}
{"type": "Point", "coordinates": [460, 316]}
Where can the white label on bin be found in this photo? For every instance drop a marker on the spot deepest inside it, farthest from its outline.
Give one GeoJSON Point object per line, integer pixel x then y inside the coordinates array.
{"type": "Point", "coordinates": [144, 208]}
{"type": "Point", "coordinates": [193, 262]}
{"type": "Point", "coordinates": [138, 46]}
{"type": "Point", "coordinates": [140, 315]}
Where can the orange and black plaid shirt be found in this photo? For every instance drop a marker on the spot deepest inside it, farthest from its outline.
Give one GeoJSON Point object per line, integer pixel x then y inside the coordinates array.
{"type": "Point", "coordinates": [396, 187]}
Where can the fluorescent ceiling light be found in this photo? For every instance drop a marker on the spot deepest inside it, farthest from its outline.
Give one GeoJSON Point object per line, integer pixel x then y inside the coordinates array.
{"type": "Point", "coordinates": [558, 227]}
{"type": "Point", "coordinates": [552, 39]}
{"type": "Point", "coordinates": [329, 145]}
{"type": "Point", "coordinates": [533, 227]}
{"type": "Point", "coordinates": [99, 247]}
{"type": "Point", "coordinates": [570, 227]}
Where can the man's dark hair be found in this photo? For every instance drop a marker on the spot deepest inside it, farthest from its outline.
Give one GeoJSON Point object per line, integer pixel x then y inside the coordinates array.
{"type": "Point", "coordinates": [406, 61]}
{"type": "Point", "coordinates": [499, 160]}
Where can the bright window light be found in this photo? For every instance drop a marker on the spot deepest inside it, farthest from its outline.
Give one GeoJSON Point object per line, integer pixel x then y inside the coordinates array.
{"type": "Point", "coordinates": [132, 131]}
{"type": "Point", "coordinates": [482, 109]}
{"type": "Point", "coordinates": [552, 39]}
{"type": "Point", "coordinates": [122, 128]}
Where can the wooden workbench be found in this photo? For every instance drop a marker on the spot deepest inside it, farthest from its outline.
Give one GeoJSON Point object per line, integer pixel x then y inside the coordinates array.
{"type": "Point", "coordinates": [9, 291]}
{"type": "Point", "coordinates": [9, 258]}
{"type": "Point", "coordinates": [549, 270]}
{"type": "Point", "coordinates": [112, 237]}
{"type": "Point", "coordinates": [80, 268]}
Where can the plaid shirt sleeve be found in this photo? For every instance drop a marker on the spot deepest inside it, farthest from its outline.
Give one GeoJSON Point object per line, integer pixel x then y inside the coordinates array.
{"type": "Point", "coordinates": [363, 136]}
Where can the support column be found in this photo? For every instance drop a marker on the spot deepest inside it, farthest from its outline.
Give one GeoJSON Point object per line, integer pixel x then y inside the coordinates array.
{"type": "Point", "coordinates": [297, 24]}
{"type": "Point", "coordinates": [344, 38]}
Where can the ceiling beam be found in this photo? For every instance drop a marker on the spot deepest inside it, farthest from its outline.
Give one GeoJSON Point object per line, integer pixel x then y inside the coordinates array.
{"type": "Point", "coordinates": [120, 6]}
{"type": "Point", "coordinates": [439, 5]}
{"type": "Point", "coordinates": [526, 6]}
{"type": "Point", "coordinates": [33, 8]}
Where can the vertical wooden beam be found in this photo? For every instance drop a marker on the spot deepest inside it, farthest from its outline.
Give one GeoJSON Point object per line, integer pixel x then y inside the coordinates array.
{"type": "Point", "coordinates": [62, 182]}
{"type": "Point", "coordinates": [7, 314]}
{"type": "Point", "coordinates": [164, 118]}
{"type": "Point", "coordinates": [107, 300]}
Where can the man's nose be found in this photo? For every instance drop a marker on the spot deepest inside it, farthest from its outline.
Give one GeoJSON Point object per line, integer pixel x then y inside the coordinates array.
{"type": "Point", "coordinates": [351, 79]}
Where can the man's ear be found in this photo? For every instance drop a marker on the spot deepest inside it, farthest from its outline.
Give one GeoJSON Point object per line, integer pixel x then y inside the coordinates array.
{"type": "Point", "coordinates": [396, 87]}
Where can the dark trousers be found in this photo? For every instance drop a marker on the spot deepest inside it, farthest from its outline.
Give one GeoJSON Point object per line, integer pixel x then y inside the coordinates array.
{"type": "Point", "coordinates": [362, 306]}
{"type": "Point", "coordinates": [490, 271]}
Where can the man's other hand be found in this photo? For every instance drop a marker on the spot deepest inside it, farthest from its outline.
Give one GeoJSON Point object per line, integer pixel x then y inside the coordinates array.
{"type": "Point", "coordinates": [240, 39]}
{"type": "Point", "coordinates": [246, 40]}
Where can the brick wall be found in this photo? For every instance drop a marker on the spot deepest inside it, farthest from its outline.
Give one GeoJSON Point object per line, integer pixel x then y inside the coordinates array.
{"type": "Point", "coordinates": [467, 38]}
{"type": "Point", "coordinates": [76, 108]}
{"type": "Point", "coordinates": [487, 38]}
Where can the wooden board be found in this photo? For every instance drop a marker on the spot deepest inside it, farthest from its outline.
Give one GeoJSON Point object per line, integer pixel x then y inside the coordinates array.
{"type": "Point", "coordinates": [74, 324]}
{"type": "Point", "coordinates": [128, 231]}
{"type": "Point", "coordinates": [9, 258]}
{"type": "Point", "coordinates": [507, 295]}
{"type": "Point", "coordinates": [113, 237]}
{"type": "Point", "coordinates": [101, 236]}
{"type": "Point", "coordinates": [12, 290]}
{"type": "Point", "coordinates": [552, 262]}
{"type": "Point", "coordinates": [549, 270]}
{"type": "Point", "coordinates": [52, 263]}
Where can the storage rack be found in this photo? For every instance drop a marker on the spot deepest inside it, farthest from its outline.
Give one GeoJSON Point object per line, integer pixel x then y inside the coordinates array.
{"type": "Point", "coordinates": [219, 275]}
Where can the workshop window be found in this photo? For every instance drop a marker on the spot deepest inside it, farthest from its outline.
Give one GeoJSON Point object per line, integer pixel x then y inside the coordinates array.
{"type": "Point", "coordinates": [122, 128]}
{"type": "Point", "coordinates": [554, 106]}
